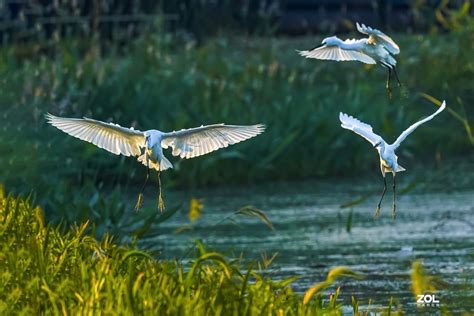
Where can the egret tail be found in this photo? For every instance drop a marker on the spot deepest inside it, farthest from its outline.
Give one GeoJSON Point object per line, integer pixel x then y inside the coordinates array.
{"type": "Point", "coordinates": [158, 166]}
{"type": "Point", "coordinates": [400, 168]}
{"type": "Point", "coordinates": [166, 164]}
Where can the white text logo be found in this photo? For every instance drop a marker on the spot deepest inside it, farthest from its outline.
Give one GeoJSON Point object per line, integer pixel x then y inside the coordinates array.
{"type": "Point", "coordinates": [427, 300]}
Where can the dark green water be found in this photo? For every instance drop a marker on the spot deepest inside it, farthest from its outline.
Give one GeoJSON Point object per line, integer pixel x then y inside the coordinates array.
{"type": "Point", "coordinates": [310, 236]}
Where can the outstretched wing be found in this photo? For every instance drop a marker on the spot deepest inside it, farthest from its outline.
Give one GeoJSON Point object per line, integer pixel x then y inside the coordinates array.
{"type": "Point", "coordinates": [410, 130]}
{"type": "Point", "coordinates": [358, 127]}
{"type": "Point", "coordinates": [109, 136]}
{"type": "Point", "coordinates": [379, 37]}
{"type": "Point", "coordinates": [336, 53]}
{"type": "Point", "coordinates": [194, 142]}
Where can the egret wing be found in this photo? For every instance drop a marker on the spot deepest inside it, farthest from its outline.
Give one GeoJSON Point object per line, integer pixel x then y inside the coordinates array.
{"type": "Point", "coordinates": [410, 130]}
{"type": "Point", "coordinates": [336, 53]}
{"type": "Point", "coordinates": [194, 142]}
{"type": "Point", "coordinates": [380, 37]}
{"type": "Point", "coordinates": [109, 136]}
{"type": "Point", "coordinates": [360, 128]}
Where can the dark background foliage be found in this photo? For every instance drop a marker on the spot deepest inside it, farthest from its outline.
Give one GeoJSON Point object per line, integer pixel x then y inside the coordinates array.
{"type": "Point", "coordinates": [180, 64]}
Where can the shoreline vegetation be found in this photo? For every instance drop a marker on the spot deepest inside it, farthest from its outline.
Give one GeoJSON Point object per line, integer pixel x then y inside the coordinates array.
{"type": "Point", "coordinates": [76, 252]}
{"type": "Point", "coordinates": [44, 268]}
{"type": "Point", "coordinates": [254, 79]}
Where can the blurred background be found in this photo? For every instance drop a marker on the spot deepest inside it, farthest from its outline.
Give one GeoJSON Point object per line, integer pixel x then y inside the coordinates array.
{"type": "Point", "coordinates": [182, 63]}
{"type": "Point", "coordinates": [178, 64]}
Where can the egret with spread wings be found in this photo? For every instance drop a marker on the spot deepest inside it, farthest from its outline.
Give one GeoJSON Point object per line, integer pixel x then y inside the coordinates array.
{"type": "Point", "coordinates": [377, 48]}
{"type": "Point", "coordinates": [388, 158]}
{"type": "Point", "coordinates": [148, 146]}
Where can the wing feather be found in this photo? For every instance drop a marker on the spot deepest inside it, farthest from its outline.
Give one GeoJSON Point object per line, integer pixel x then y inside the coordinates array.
{"type": "Point", "coordinates": [380, 37]}
{"type": "Point", "coordinates": [336, 53]}
{"type": "Point", "coordinates": [410, 130]}
{"type": "Point", "coordinates": [360, 128]}
{"type": "Point", "coordinates": [109, 136]}
{"type": "Point", "coordinates": [194, 142]}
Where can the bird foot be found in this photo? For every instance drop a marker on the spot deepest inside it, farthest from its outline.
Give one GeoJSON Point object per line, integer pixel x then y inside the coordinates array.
{"type": "Point", "coordinates": [139, 204]}
{"type": "Point", "coordinates": [377, 212]}
{"type": "Point", "coordinates": [161, 203]}
{"type": "Point", "coordinates": [389, 92]}
{"type": "Point", "coordinates": [394, 212]}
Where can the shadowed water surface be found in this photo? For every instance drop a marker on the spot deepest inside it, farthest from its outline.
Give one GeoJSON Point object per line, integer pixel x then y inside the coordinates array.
{"type": "Point", "coordinates": [311, 236]}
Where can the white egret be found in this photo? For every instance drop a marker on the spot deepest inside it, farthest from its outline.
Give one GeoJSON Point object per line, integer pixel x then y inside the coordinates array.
{"type": "Point", "coordinates": [148, 145]}
{"type": "Point", "coordinates": [377, 48]}
{"type": "Point", "coordinates": [388, 158]}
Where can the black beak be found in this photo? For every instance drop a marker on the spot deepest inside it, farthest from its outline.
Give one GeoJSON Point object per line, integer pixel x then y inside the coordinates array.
{"type": "Point", "coordinates": [375, 146]}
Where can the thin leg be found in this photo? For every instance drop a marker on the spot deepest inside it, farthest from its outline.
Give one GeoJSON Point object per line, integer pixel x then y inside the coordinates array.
{"type": "Point", "coordinates": [139, 204]}
{"type": "Point", "coordinates": [396, 75]}
{"type": "Point", "coordinates": [394, 211]}
{"type": "Point", "coordinates": [161, 203]}
{"type": "Point", "coordinates": [387, 86]}
{"type": "Point", "coordinates": [377, 211]}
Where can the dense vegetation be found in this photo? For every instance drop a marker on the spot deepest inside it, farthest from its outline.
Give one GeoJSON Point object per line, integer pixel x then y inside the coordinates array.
{"type": "Point", "coordinates": [49, 270]}
{"type": "Point", "coordinates": [158, 82]}
{"type": "Point", "coordinates": [161, 81]}
{"type": "Point", "coordinates": [44, 270]}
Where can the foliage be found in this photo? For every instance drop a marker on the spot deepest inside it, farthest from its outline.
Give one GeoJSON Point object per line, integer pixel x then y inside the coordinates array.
{"type": "Point", "coordinates": [46, 271]}
{"type": "Point", "coordinates": [195, 210]}
{"type": "Point", "coordinates": [252, 211]}
{"type": "Point", "coordinates": [160, 82]}
{"type": "Point", "coordinates": [333, 275]}
{"type": "Point", "coordinates": [458, 116]}
{"type": "Point", "coordinates": [422, 283]}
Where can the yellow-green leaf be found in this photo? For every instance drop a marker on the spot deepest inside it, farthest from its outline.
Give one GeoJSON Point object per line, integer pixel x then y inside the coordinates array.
{"type": "Point", "coordinates": [195, 209]}
{"type": "Point", "coordinates": [318, 287]}
{"type": "Point", "coordinates": [252, 211]}
{"type": "Point", "coordinates": [421, 283]}
{"type": "Point", "coordinates": [339, 272]}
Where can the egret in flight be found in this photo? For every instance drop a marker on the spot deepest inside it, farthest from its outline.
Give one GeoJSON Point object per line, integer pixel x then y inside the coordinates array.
{"type": "Point", "coordinates": [148, 145]}
{"type": "Point", "coordinates": [388, 158]}
{"type": "Point", "coordinates": [377, 48]}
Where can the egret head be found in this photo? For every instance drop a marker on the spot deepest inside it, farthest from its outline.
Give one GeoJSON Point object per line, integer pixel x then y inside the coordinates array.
{"type": "Point", "coordinates": [331, 41]}
{"type": "Point", "coordinates": [378, 145]}
{"type": "Point", "coordinates": [153, 137]}
{"type": "Point", "coordinates": [150, 139]}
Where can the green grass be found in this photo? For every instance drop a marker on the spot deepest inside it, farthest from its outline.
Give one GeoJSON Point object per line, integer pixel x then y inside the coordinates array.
{"type": "Point", "coordinates": [46, 270]}
{"type": "Point", "coordinates": [158, 82]}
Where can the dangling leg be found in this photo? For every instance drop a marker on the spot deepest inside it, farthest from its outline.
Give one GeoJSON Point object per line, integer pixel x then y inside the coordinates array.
{"type": "Point", "coordinates": [161, 202]}
{"type": "Point", "coordinates": [377, 211]}
{"type": "Point", "coordinates": [396, 75]}
{"type": "Point", "coordinates": [387, 86]}
{"type": "Point", "coordinates": [394, 212]}
{"type": "Point", "coordinates": [139, 204]}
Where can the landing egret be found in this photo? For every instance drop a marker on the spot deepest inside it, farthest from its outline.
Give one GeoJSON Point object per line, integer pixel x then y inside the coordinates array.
{"type": "Point", "coordinates": [186, 143]}
{"type": "Point", "coordinates": [378, 47]}
{"type": "Point", "coordinates": [388, 158]}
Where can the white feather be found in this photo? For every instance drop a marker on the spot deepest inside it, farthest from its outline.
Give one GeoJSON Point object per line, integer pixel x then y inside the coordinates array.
{"type": "Point", "coordinates": [380, 37]}
{"type": "Point", "coordinates": [109, 136]}
{"type": "Point", "coordinates": [360, 128]}
{"type": "Point", "coordinates": [194, 142]}
{"type": "Point", "coordinates": [410, 130]}
{"type": "Point", "coordinates": [336, 53]}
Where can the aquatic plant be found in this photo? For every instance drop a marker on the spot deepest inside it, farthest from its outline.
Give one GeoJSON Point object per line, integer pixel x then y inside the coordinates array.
{"type": "Point", "coordinates": [45, 270]}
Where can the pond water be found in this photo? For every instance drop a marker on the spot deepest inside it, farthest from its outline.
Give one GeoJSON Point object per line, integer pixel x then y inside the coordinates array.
{"type": "Point", "coordinates": [311, 236]}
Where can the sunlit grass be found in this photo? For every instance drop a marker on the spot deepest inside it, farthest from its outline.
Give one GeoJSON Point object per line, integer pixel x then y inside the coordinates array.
{"type": "Point", "coordinates": [44, 270]}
